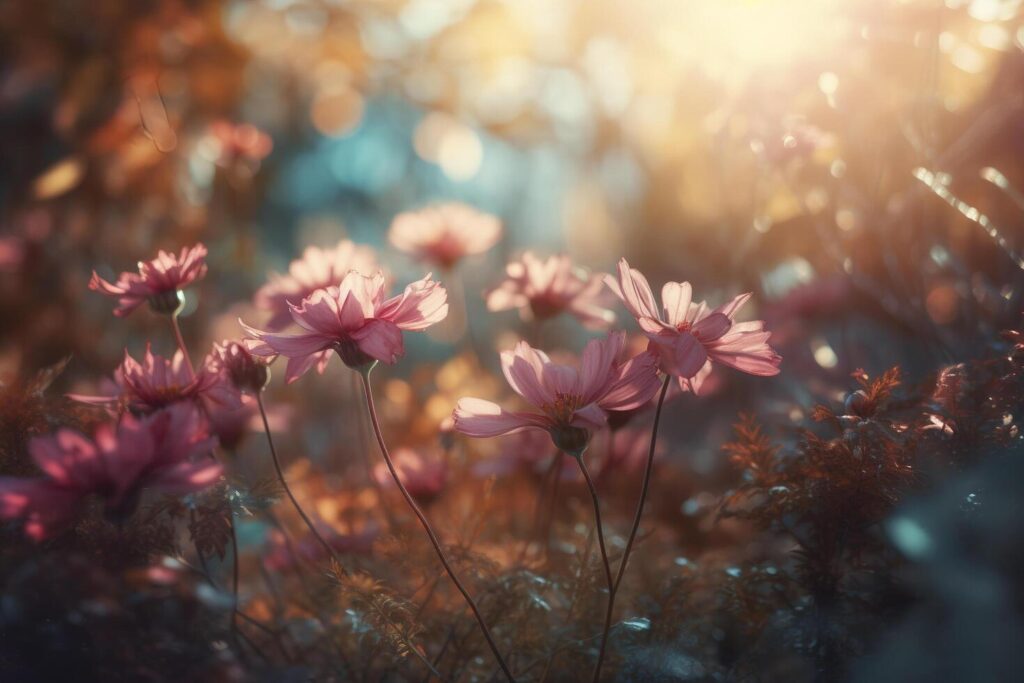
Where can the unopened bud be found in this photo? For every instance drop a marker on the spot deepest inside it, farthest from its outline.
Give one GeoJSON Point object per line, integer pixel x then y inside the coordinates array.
{"type": "Point", "coordinates": [856, 403]}
{"type": "Point", "coordinates": [245, 371]}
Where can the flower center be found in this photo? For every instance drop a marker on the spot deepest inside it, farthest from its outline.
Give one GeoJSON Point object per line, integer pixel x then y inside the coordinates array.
{"type": "Point", "coordinates": [562, 408]}
{"type": "Point", "coordinates": [546, 306]}
{"type": "Point", "coordinates": [159, 396]}
{"type": "Point", "coordinates": [447, 251]}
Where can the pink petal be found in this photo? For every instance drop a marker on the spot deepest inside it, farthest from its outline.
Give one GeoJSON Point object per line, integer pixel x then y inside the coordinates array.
{"type": "Point", "coordinates": [300, 365]}
{"type": "Point", "coordinates": [560, 379]}
{"type": "Point", "coordinates": [98, 284]}
{"type": "Point", "coordinates": [478, 418]}
{"type": "Point", "coordinates": [367, 290]}
{"type": "Point", "coordinates": [126, 454]}
{"type": "Point", "coordinates": [729, 309]}
{"type": "Point", "coordinates": [103, 401]}
{"type": "Point", "coordinates": [322, 359]}
{"type": "Point", "coordinates": [318, 313]}
{"type": "Point", "coordinates": [655, 326]}
{"type": "Point", "coordinates": [762, 360]}
{"type": "Point", "coordinates": [634, 291]}
{"type": "Point", "coordinates": [596, 365]}
{"type": "Point", "coordinates": [129, 291]}
{"type": "Point", "coordinates": [589, 417]}
{"type": "Point", "coordinates": [636, 382]}
{"type": "Point", "coordinates": [380, 339]}
{"type": "Point", "coordinates": [676, 298]}
{"type": "Point", "coordinates": [694, 384]}
{"type": "Point", "coordinates": [179, 433]}
{"type": "Point", "coordinates": [288, 344]}
{"type": "Point", "coordinates": [746, 348]}
{"type": "Point", "coordinates": [422, 304]}
{"type": "Point", "coordinates": [258, 347]}
{"type": "Point", "coordinates": [67, 458]}
{"type": "Point", "coordinates": [739, 329]}
{"type": "Point", "coordinates": [522, 368]}
{"type": "Point", "coordinates": [680, 354]}
{"type": "Point", "coordinates": [711, 327]}
{"type": "Point", "coordinates": [350, 313]}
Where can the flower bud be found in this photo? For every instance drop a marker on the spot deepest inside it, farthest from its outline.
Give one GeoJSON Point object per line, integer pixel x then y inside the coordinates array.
{"type": "Point", "coordinates": [244, 370]}
{"type": "Point", "coordinates": [856, 403]}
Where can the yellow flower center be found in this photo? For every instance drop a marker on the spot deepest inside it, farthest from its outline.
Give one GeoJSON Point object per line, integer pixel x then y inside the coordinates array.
{"type": "Point", "coordinates": [562, 408]}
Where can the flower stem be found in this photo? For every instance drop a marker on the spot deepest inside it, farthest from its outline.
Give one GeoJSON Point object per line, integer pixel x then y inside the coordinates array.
{"type": "Point", "coordinates": [284, 484]}
{"type": "Point", "coordinates": [607, 567]}
{"type": "Point", "coordinates": [644, 487]}
{"type": "Point", "coordinates": [181, 345]}
{"type": "Point", "coordinates": [457, 291]}
{"type": "Point", "coordinates": [613, 586]}
{"type": "Point", "coordinates": [538, 523]}
{"type": "Point", "coordinates": [365, 375]}
{"type": "Point", "coordinates": [234, 576]}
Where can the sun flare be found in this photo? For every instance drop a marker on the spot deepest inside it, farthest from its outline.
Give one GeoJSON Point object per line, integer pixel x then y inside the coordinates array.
{"type": "Point", "coordinates": [736, 39]}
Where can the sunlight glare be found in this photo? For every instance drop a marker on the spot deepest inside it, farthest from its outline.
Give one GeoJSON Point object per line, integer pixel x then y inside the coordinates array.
{"type": "Point", "coordinates": [733, 39]}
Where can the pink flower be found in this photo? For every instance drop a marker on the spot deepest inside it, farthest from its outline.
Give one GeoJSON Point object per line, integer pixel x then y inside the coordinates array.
{"type": "Point", "coordinates": [154, 453]}
{"type": "Point", "coordinates": [154, 383]}
{"type": "Point", "coordinates": [572, 401]}
{"type": "Point", "coordinates": [317, 269]}
{"type": "Point", "coordinates": [444, 233]}
{"type": "Point", "coordinates": [543, 289]}
{"type": "Point", "coordinates": [689, 336]}
{"type": "Point", "coordinates": [424, 477]}
{"type": "Point", "coordinates": [159, 281]}
{"type": "Point", "coordinates": [355, 320]}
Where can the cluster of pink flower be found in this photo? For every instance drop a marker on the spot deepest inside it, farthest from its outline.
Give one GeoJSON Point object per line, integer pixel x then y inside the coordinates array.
{"type": "Point", "coordinates": [338, 300]}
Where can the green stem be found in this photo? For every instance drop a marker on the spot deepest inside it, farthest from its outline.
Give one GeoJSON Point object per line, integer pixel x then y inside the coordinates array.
{"type": "Point", "coordinates": [234, 576]}
{"type": "Point", "coordinates": [365, 375]}
{"type": "Point", "coordinates": [287, 490]}
{"type": "Point", "coordinates": [181, 345]}
{"type": "Point", "coordinates": [607, 567]}
{"type": "Point", "coordinates": [644, 488]}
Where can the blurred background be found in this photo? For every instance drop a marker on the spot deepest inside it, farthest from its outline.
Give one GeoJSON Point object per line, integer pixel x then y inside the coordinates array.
{"type": "Point", "coordinates": [854, 163]}
{"type": "Point", "coordinates": [798, 149]}
{"type": "Point", "coordinates": [768, 146]}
